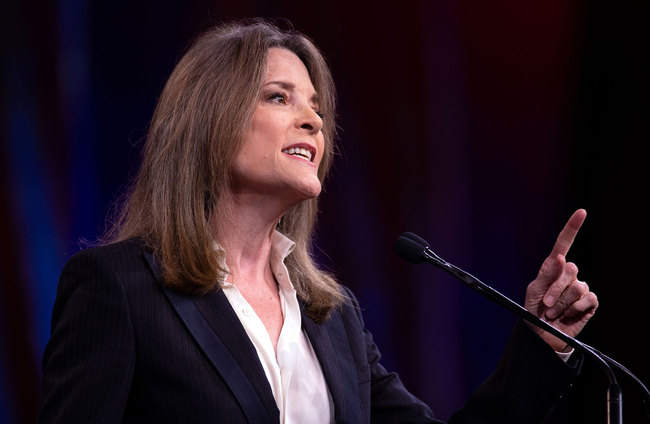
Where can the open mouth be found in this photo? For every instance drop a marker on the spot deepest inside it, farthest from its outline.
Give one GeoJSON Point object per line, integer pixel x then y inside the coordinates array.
{"type": "Point", "coordinates": [304, 151]}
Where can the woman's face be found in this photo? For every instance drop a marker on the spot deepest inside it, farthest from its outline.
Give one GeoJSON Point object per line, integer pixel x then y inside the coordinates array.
{"type": "Point", "coordinates": [284, 144]}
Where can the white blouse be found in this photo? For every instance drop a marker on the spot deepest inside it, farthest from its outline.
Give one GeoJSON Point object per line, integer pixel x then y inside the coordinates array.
{"type": "Point", "coordinates": [295, 375]}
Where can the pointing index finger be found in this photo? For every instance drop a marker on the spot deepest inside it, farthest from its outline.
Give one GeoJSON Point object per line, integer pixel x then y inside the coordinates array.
{"type": "Point", "coordinates": [568, 233]}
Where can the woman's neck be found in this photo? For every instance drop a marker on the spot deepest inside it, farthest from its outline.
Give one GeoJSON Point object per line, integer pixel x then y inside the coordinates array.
{"type": "Point", "coordinates": [244, 229]}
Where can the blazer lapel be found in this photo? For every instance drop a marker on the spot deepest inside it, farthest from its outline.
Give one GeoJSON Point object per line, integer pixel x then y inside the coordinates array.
{"type": "Point", "coordinates": [332, 348]}
{"type": "Point", "coordinates": [215, 313]}
{"type": "Point", "coordinates": [216, 310]}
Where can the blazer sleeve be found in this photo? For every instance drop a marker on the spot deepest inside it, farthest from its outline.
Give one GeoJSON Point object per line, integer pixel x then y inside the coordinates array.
{"type": "Point", "coordinates": [526, 384]}
{"type": "Point", "coordinates": [89, 360]}
{"type": "Point", "coordinates": [528, 380]}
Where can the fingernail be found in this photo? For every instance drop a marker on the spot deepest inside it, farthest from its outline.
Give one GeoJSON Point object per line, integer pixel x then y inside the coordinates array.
{"type": "Point", "coordinates": [549, 300]}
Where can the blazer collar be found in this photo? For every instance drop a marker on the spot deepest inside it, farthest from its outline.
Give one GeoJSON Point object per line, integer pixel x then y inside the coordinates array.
{"type": "Point", "coordinates": [328, 339]}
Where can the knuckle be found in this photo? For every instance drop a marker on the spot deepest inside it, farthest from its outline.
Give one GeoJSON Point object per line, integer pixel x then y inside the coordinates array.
{"type": "Point", "coordinates": [571, 268]}
{"type": "Point", "coordinates": [583, 286]}
{"type": "Point", "coordinates": [580, 288]}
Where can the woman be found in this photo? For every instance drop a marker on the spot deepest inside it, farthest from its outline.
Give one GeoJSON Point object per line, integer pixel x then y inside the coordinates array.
{"type": "Point", "coordinates": [204, 305]}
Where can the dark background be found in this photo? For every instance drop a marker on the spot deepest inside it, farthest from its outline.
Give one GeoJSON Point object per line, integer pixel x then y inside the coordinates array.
{"type": "Point", "coordinates": [479, 125]}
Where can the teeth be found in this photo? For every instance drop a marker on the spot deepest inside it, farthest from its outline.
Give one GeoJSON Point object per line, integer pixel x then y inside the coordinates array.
{"type": "Point", "coordinates": [299, 151]}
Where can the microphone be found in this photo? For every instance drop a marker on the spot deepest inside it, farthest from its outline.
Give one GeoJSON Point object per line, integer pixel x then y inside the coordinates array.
{"type": "Point", "coordinates": [415, 249]}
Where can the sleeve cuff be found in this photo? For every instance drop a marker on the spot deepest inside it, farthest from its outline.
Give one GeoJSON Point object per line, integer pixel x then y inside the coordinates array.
{"type": "Point", "coordinates": [564, 356]}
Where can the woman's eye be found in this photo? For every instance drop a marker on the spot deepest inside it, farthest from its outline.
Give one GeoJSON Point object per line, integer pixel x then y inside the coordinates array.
{"type": "Point", "coordinates": [320, 114]}
{"type": "Point", "coordinates": [277, 98]}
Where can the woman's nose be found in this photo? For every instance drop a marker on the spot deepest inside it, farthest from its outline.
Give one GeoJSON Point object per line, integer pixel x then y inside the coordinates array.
{"type": "Point", "coordinates": [309, 119]}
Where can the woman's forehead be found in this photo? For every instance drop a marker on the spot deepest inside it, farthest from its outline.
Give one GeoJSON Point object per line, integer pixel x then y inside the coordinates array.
{"type": "Point", "coordinates": [285, 69]}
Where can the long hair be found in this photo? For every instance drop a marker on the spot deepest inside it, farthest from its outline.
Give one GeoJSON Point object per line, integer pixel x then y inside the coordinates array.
{"type": "Point", "coordinates": [195, 134]}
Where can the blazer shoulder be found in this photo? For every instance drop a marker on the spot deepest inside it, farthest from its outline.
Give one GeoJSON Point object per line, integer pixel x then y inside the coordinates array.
{"type": "Point", "coordinates": [121, 258]}
{"type": "Point", "coordinates": [116, 249]}
{"type": "Point", "coordinates": [351, 304]}
{"type": "Point", "coordinates": [122, 251]}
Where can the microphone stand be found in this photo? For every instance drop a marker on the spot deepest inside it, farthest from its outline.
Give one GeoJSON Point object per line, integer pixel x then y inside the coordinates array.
{"type": "Point", "coordinates": [614, 394]}
{"type": "Point", "coordinates": [415, 249]}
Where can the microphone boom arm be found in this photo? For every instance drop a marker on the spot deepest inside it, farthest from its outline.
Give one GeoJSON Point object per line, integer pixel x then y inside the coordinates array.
{"type": "Point", "coordinates": [414, 249]}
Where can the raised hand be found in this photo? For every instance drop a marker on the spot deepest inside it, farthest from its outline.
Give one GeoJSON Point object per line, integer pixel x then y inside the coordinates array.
{"type": "Point", "coordinates": [556, 295]}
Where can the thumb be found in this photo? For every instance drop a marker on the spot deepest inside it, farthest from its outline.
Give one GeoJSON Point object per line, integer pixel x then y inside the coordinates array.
{"type": "Point", "coordinates": [549, 273]}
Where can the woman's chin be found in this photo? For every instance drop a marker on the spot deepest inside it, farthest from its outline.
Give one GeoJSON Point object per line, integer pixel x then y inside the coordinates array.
{"type": "Point", "coordinates": [311, 193]}
{"type": "Point", "coordinates": [308, 189]}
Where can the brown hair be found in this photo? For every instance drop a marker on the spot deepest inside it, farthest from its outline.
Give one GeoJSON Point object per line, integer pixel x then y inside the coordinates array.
{"type": "Point", "coordinates": [195, 134]}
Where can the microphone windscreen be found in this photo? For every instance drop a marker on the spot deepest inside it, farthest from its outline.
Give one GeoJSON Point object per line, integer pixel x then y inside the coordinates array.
{"type": "Point", "coordinates": [419, 240]}
{"type": "Point", "coordinates": [409, 249]}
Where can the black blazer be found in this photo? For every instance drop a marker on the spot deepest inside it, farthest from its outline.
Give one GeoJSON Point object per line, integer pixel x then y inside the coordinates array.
{"type": "Point", "coordinates": [120, 352]}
